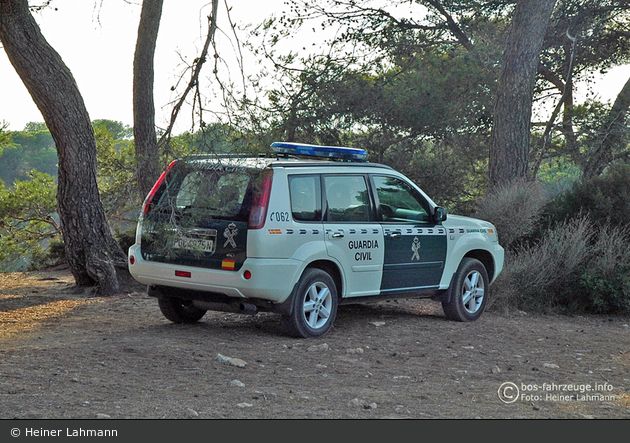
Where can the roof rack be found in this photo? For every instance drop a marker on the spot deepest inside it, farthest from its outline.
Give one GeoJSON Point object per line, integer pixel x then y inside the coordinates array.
{"type": "Point", "coordinates": [214, 156]}
{"type": "Point", "coordinates": [331, 152]}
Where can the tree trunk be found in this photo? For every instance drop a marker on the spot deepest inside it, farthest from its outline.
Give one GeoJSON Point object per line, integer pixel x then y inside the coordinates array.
{"type": "Point", "coordinates": [613, 132]}
{"type": "Point", "coordinates": [145, 138]}
{"type": "Point", "coordinates": [91, 250]}
{"type": "Point", "coordinates": [510, 140]}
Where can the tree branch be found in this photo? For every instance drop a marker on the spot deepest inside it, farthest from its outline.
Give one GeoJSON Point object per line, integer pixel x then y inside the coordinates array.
{"type": "Point", "coordinates": [452, 25]}
{"type": "Point", "coordinates": [554, 115]}
{"type": "Point", "coordinates": [194, 79]}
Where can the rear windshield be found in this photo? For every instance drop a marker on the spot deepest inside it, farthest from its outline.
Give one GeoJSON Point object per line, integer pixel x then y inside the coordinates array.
{"type": "Point", "coordinates": [208, 191]}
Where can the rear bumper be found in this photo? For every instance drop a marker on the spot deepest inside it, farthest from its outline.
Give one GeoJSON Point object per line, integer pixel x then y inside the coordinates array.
{"type": "Point", "coordinates": [271, 279]}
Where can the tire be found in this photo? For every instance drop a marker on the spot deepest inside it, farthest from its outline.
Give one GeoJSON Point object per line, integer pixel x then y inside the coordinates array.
{"type": "Point", "coordinates": [315, 302]}
{"type": "Point", "coordinates": [468, 293]}
{"type": "Point", "coordinates": [179, 310]}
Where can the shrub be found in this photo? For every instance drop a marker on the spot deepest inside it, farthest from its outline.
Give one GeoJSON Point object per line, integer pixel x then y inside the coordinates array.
{"type": "Point", "coordinates": [606, 198]}
{"type": "Point", "coordinates": [577, 266]}
{"type": "Point", "coordinates": [41, 256]}
{"type": "Point", "coordinates": [603, 285]}
{"type": "Point", "coordinates": [533, 274]}
{"type": "Point", "coordinates": [514, 209]}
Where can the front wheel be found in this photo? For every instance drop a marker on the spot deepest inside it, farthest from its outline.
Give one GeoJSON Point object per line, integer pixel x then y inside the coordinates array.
{"type": "Point", "coordinates": [179, 310]}
{"type": "Point", "coordinates": [468, 293]}
{"type": "Point", "coordinates": [314, 305]}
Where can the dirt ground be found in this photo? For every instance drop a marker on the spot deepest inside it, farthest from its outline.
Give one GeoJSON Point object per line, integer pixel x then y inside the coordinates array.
{"type": "Point", "coordinates": [69, 355]}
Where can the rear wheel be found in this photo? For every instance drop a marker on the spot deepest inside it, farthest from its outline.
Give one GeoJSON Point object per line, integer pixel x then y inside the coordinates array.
{"type": "Point", "coordinates": [314, 305]}
{"type": "Point", "coordinates": [468, 292]}
{"type": "Point", "coordinates": [179, 310]}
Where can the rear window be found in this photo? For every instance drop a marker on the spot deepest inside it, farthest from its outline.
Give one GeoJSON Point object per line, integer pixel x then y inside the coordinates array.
{"type": "Point", "coordinates": [217, 195]}
{"type": "Point", "coordinates": [209, 191]}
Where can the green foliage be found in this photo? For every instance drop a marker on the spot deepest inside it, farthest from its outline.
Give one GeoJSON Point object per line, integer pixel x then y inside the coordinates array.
{"type": "Point", "coordinates": [572, 261]}
{"type": "Point", "coordinates": [414, 73]}
{"type": "Point", "coordinates": [591, 123]}
{"type": "Point", "coordinates": [599, 26]}
{"type": "Point", "coordinates": [27, 216]}
{"type": "Point", "coordinates": [437, 94]}
{"type": "Point", "coordinates": [606, 199]}
{"type": "Point", "coordinates": [116, 166]}
{"type": "Point", "coordinates": [602, 283]}
{"type": "Point", "coordinates": [118, 130]}
{"type": "Point", "coordinates": [216, 138]}
{"type": "Point", "coordinates": [606, 293]}
{"type": "Point", "coordinates": [453, 177]}
{"type": "Point", "coordinates": [52, 253]}
{"type": "Point", "coordinates": [5, 138]}
{"type": "Point", "coordinates": [414, 99]}
{"type": "Point", "coordinates": [24, 151]}
{"type": "Point", "coordinates": [28, 219]}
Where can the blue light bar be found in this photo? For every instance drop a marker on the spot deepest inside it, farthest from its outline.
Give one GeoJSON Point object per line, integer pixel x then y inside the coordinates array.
{"type": "Point", "coordinates": [319, 151]}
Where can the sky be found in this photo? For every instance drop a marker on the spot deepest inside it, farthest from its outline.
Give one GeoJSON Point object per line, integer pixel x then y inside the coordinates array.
{"type": "Point", "coordinates": [96, 39]}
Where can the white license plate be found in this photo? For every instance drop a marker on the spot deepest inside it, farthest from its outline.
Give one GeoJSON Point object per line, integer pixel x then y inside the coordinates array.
{"type": "Point", "coordinates": [193, 244]}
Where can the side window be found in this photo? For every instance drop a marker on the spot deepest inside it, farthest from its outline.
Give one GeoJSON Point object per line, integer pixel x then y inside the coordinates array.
{"type": "Point", "coordinates": [305, 195]}
{"type": "Point", "coordinates": [399, 202]}
{"type": "Point", "coordinates": [347, 198]}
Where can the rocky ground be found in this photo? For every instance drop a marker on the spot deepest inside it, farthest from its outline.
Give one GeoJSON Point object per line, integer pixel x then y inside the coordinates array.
{"type": "Point", "coordinates": [69, 355]}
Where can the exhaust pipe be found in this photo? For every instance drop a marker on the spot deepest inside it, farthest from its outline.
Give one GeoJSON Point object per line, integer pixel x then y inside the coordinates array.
{"type": "Point", "coordinates": [247, 308]}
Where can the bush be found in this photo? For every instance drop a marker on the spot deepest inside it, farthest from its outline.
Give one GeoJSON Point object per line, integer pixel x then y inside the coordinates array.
{"type": "Point", "coordinates": [533, 274]}
{"type": "Point", "coordinates": [514, 209]}
{"type": "Point", "coordinates": [606, 199]}
{"type": "Point", "coordinates": [577, 266]}
{"type": "Point", "coordinates": [43, 257]}
{"type": "Point", "coordinates": [604, 283]}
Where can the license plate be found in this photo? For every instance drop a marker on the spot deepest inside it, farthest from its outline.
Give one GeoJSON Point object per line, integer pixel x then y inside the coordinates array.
{"type": "Point", "coordinates": [193, 244]}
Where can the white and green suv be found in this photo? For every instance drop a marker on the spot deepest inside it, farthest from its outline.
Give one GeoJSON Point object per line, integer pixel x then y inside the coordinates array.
{"type": "Point", "coordinates": [301, 232]}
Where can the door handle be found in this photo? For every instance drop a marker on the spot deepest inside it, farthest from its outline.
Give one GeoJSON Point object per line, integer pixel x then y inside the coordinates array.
{"type": "Point", "coordinates": [337, 235]}
{"type": "Point", "coordinates": [395, 234]}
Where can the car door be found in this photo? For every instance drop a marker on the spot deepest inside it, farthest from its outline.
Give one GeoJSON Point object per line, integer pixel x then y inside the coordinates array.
{"type": "Point", "coordinates": [415, 247]}
{"type": "Point", "coordinates": [353, 236]}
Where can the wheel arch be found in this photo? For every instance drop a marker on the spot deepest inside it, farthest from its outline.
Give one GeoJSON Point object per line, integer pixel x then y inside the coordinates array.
{"type": "Point", "coordinates": [485, 257]}
{"type": "Point", "coordinates": [332, 269]}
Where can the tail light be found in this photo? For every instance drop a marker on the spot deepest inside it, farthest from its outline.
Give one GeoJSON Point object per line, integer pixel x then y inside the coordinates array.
{"type": "Point", "coordinates": [147, 201]}
{"type": "Point", "coordinates": [258, 212]}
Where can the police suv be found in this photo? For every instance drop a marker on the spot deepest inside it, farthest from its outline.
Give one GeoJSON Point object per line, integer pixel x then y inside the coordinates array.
{"type": "Point", "coordinates": [301, 232]}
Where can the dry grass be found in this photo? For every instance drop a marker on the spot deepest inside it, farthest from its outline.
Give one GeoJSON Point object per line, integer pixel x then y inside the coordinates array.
{"type": "Point", "coordinates": [28, 300]}
{"type": "Point", "coordinates": [28, 319]}
{"type": "Point", "coordinates": [531, 273]}
{"type": "Point", "coordinates": [548, 274]}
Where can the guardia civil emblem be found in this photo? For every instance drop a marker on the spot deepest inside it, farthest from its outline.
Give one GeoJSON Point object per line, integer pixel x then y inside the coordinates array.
{"type": "Point", "coordinates": [415, 247]}
{"type": "Point", "coordinates": [229, 233]}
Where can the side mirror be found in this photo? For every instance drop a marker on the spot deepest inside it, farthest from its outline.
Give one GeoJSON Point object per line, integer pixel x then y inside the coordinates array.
{"type": "Point", "coordinates": [439, 214]}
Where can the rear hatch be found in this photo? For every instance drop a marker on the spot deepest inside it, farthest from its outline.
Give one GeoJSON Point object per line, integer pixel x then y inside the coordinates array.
{"type": "Point", "coordinates": [197, 214]}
